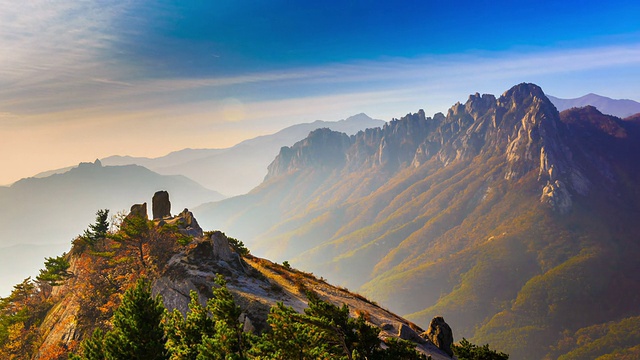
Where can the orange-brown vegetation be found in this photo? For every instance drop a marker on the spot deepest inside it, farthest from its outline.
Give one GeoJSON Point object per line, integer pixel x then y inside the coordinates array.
{"type": "Point", "coordinates": [100, 273]}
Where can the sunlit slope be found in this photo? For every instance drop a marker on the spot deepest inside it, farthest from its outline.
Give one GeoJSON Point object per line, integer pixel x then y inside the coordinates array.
{"type": "Point", "coordinates": [510, 219]}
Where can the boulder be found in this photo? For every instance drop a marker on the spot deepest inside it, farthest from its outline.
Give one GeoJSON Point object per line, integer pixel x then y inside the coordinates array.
{"type": "Point", "coordinates": [247, 325]}
{"type": "Point", "coordinates": [139, 210]}
{"type": "Point", "coordinates": [405, 332]}
{"type": "Point", "coordinates": [161, 205]}
{"type": "Point", "coordinates": [221, 248]}
{"type": "Point", "coordinates": [189, 224]}
{"type": "Point", "coordinates": [440, 334]}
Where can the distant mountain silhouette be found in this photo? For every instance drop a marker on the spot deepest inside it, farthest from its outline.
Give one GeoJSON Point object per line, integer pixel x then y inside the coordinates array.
{"type": "Point", "coordinates": [238, 169]}
{"type": "Point", "coordinates": [515, 222]}
{"type": "Point", "coordinates": [51, 211]}
{"type": "Point", "coordinates": [620, 108]}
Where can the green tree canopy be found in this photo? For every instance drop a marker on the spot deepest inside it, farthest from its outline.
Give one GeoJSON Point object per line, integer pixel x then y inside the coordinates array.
{"type": "Point", "coordinates": [468, 351]}
{"type": "Point", "coordinates": [55, 271]}
{"type": "Point", "coordinates": [134, 233]}
{"type": "Point", "coordinates": [99, 229]}
{"type": "Point", "coordinates": [325, 331]}
{"type": "Point", "coordinates": [137, 332]}
{"type": "Point", "coordinates": [214, 332]}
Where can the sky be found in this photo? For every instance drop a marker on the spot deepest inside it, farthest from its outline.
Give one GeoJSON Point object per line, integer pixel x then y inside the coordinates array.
{"type": "Point", "coordinates": [81, 80]}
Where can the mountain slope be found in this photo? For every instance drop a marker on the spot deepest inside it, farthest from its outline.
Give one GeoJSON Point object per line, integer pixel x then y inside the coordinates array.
{"type": "Point", "coordinates": [508, 218]}
{"type": "Point", "coordinates": [57, 318]}
{"type": "Point", "coordinates": [616, 107]}
{"type": "Point", "coordinates": [36, 211]}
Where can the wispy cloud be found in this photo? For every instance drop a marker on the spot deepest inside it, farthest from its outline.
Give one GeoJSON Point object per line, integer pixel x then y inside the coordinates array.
{"type": "Point", "coordinates": [58, 56]}
{"type": "Point", "coordinates": [78, 76]}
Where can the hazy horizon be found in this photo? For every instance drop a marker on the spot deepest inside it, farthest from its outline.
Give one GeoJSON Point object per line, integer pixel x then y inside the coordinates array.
{"type": "Point", "coordinates": [82, 80]}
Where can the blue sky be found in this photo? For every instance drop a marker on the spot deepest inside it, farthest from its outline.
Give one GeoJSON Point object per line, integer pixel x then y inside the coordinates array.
{"type": "Point", "coordinates": [87, 79]}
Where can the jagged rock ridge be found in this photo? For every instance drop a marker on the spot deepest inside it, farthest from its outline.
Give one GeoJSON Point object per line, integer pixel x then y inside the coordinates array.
{"type": "Point", "coordinates": [522, 124]}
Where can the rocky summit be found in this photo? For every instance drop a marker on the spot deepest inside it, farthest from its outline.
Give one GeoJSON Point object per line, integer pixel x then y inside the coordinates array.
{"type": "Point", "coordinates": [161, 205]}
{"type": "Point", "coordinates": [507, 217]}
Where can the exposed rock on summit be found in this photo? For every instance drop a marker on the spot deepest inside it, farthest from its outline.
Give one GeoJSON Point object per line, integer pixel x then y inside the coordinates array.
{"type": "Point", "coordinates": [139, 210]}
{"type": "Point", "coordinates": [322, 148]}
{"type": "Point", "coordinates": [161, 205]}
{"type": "Point", "coordinates": [186, 223]}
{"type": "Point", "coordinates": [221, 248]}
{"type": "Point", "coordinates": [439, 332]}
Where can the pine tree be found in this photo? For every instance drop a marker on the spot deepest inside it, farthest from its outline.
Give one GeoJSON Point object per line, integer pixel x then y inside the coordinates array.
{"type": "Point", "coordinates": [56, 271]}
{"type": "Point", "coordinates": [468, 351]}
{"type": "Point", "coordinates": [228, 340]}
{"type": "Point", "coordinates": [137, 332]}
{"type": "Point", "coordinates": [20, 314]}
{"type": "Point", "coordinates": [292, 337]}
{"type": "Point", "coordinates": [325, 331]}
{"type": "Point", "coordinates": [135, 232]}
{"type": "Point", "coordinates": [333, 321]}
{"type": "Point", "coordinates": [212, 332]}
{"type": "Point", "coordinates": [185, 334]}
{"type": "Point", "coordinates": [99, 229]}
{"type": "Point", "coordinates": [92, 348]}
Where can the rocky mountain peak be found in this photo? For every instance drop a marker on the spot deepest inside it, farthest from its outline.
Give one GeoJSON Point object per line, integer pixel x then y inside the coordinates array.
{"type": "Point", "coordinates": [482, 200]}
{"type": "Point", "coordinates": [322, 148]}
{"type": "Point", "coordinates": [479, 104]}
{"type": "Point", "coordinates": [523, 95]}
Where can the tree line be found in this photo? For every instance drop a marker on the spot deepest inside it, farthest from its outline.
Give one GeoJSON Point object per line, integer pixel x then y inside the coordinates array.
{"type": "Point", "coordinates": [144, 329]}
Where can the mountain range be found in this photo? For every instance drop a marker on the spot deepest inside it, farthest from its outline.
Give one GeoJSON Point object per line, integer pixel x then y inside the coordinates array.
{"type": "Point", "coordinates": [617, 107]}
{"type": "Point", "coordinates": [510, 218]}
{"type": "Point", "coordinates": [507, 217]}
{"type": "Point", "coordinates": [238, 169]}
{"type": "Point", "coordinates": [50, 198]}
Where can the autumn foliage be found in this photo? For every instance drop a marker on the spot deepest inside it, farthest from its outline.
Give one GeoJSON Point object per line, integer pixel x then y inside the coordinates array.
{"type": "Point", "coordinates": [100, 267]}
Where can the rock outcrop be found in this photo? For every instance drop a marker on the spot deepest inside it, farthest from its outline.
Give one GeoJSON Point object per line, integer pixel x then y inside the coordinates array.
{"type": "Point", "coordinates": [405, 332]}
{"type": "Point", "coordinates": [221, 248]}
{"type": "Point", "coordinates": [139, 210]}
{"type": "Point", "coordinates": [187, 223]}
{"type": "Point", "coordinates": [557, 197]}
{"type": "Point", "coordinates": [322, 148]}
{"type": "Point", "coordinates": [161, 205]}
{"type": "Point", "coordinates": [439, 333]}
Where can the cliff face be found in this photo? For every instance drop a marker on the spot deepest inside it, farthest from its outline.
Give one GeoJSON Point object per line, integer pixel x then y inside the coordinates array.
{"type": "Point", "coordinates": [467, 212]}
{"type": "Point", "coordinates": [323, 148]}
